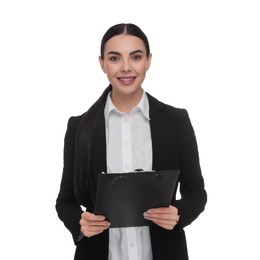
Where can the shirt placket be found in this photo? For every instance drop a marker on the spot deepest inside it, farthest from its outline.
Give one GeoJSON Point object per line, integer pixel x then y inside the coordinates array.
{"type": "Point", "coordinates": [126, 144]}
{"type": "Point", "coordinates": [127, 166]}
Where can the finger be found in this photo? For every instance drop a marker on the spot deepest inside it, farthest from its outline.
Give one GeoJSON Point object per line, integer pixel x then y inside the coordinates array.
{"type": "Point", "coordinates": [169, 225]}
{"type": "Point", "coordinates": [104, 224]}
{"type": "Point", "coordinates": [162, 221]}
{"type": "Point", "coordinates": [84, 222]}
{"type": "Point", "coordinates": [163, 210]}
{"type": "Point", "coordinates": [94, 229]}
{"type": "Point", "coordinates": [161, 216]}
{"type": "Point", "coordinates": [92, 217]}
{"type": "Point", "coordinates": [170, 221]}
{"type": "Point", "coordinates": [158, 216]}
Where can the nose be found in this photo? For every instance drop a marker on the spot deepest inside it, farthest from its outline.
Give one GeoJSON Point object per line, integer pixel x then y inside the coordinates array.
{"type": "Point", "coordinates": [126, 66]}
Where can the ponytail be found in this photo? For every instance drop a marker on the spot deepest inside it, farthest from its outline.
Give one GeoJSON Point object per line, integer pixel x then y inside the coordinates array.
{"type": "Point", "coordinates": [84, 181]}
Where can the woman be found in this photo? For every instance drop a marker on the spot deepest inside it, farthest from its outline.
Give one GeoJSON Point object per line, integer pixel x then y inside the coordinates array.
{"type": "Point", "coordinates": [127, 129]}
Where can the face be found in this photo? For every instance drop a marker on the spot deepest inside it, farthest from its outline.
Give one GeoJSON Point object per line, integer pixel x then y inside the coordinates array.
{"type": "Point", "coordinates": [125, 63]}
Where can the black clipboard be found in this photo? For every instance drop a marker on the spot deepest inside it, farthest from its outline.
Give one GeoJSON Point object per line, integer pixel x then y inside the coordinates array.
{"type": "Point", "coordinates": [123, 197]}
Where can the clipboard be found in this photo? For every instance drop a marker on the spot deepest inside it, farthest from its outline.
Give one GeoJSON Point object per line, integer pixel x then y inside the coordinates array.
{"type": "Point", "coordinates": [123, 197]}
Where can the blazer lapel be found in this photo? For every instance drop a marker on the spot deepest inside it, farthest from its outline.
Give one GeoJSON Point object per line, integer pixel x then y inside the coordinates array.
{"type": "Point", "coordinates": [163, 134]}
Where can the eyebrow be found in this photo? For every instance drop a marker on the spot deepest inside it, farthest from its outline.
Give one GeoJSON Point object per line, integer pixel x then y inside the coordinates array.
{"type": "Point", "coordinates": [118, 53]}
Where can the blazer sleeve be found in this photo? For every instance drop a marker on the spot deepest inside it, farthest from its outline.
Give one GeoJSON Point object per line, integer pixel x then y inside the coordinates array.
{"type": "Point", "coordinates": [67, 207]}
{"type": "Point", "coordinates": [193, 194]}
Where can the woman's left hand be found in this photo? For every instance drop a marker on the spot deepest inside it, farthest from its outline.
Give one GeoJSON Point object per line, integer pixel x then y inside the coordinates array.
{"type": "Point", "coordinates": [166, 217]}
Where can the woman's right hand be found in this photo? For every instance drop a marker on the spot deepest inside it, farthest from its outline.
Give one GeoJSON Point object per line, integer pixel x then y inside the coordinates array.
{"type": "Point", "coordinates": [91, 225]}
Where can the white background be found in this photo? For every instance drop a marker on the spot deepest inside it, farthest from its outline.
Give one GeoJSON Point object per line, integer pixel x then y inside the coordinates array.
{"type": "Point", "coordinates": [206, 58]}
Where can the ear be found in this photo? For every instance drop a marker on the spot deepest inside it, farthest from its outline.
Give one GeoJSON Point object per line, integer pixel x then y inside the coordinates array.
{"type": "Point", "coordinates": [149, 61]}
{"type": "Point", "coordinates": [102, 64]}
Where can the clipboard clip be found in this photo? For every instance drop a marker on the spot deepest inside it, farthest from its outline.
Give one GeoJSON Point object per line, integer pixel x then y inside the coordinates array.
{"type": "Point", "coordinates": [141, 170]}
{"type": "Point", "coordinates": [138, 170]}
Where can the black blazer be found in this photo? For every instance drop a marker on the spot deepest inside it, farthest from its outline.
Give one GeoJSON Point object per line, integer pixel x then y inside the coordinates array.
{"type": "Point", "coordinates": [174, 147]}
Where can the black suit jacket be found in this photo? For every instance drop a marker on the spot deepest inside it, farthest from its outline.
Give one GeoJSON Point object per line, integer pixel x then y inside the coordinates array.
{"type": "Point", "coordinates": [174, 147]}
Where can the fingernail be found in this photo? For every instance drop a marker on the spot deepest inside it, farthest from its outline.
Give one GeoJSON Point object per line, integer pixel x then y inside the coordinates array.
{"type": "Point", "coordinates": [145, 214]}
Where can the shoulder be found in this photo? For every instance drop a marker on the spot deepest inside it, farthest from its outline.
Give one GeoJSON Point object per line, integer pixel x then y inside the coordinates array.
{"type": "Point", "coordinates": [72, 126]}
{"type": "Point", "coordinates": [74, 121]}
{"type": "Point", "coordinates": [156, 105]}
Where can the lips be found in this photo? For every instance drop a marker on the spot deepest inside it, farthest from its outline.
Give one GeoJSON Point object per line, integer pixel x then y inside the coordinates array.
{"type": "Point", "coordinates": [126, 80]}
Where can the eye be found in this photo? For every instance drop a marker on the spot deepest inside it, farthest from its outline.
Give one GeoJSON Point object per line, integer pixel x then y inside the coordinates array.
{"type": "Point", "coordinates": [114, 58]}
{"type": "Point", "coordinates": [136, 57]}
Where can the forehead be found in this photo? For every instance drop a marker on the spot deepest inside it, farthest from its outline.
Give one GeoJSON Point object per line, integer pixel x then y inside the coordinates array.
{"type": "Point", "coordinates": [124, 44]}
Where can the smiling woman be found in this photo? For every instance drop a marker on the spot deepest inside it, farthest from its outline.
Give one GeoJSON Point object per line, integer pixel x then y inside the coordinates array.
{"type": "Point", "coordinates": [125, 63]}
{"type": "Point", "coordinates": [124, 130]}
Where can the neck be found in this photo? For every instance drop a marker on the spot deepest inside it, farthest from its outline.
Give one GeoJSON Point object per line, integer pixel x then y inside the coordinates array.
{"type": "Point", "coordinates": [126, 102]}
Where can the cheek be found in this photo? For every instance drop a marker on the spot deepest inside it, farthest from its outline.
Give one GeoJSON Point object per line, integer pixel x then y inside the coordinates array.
{"type": "Point", "coordinates": [142, 68]}
{"type": "Point", "coordinates": [111, 70]}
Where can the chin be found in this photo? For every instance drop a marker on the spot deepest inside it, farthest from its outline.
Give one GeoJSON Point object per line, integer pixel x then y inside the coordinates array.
{"type": "Point", "coordinates": [129, 89]}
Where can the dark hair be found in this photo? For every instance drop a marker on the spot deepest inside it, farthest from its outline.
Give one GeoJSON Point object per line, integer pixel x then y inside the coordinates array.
{"type": "Point", "coordinates": [84, 181]}
{"type": "Point", "coordinates": [127, 29]}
